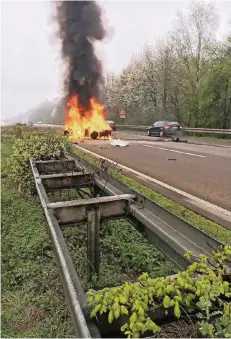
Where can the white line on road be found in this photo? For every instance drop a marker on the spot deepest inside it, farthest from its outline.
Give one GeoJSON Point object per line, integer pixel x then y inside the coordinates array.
{"type": "Point", "coordinates": [202, 202]}
{"type": "Point", "coordinates": [171, 150]}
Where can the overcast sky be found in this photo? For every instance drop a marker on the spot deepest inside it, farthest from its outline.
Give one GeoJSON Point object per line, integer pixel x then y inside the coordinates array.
{"type": "Point", "coordinates": [31, 64]}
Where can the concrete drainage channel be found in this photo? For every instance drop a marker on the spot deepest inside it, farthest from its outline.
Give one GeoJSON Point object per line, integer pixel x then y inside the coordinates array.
{"type": "Point", "coordinates": [109, 198]}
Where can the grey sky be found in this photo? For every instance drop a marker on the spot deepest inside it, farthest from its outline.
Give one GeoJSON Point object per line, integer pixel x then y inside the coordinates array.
{"type": "Point", "coordinates": [31, 65]}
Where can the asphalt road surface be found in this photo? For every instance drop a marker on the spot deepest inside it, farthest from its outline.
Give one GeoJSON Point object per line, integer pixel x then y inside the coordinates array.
{"type": "Point", "coordinates": [191, 139]}
{"type": "Point", "coordinates": [201, 170]}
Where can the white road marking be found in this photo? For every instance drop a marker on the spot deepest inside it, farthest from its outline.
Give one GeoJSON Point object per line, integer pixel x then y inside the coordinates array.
{"type": "Point", "coordinates": [202, 202]}
{"type": "Point", "coordinates": [171, 150]}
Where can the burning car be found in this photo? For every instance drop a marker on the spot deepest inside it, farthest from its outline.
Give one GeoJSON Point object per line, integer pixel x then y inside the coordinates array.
{"type": "Point", "coordinates": [93, 135]}
{"type": "Point", "coordinates": [88, 124]}
{"type": "Point", "coordinates": [97, 135]}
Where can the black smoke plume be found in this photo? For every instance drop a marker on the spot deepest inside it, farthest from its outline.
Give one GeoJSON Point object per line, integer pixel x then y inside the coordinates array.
{"type": "Point", "coordinates": [80, 25]}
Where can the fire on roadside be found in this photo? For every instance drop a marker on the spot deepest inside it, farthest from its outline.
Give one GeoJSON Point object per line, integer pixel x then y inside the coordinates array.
{"type": "Point", "coordinates": [88, 124]}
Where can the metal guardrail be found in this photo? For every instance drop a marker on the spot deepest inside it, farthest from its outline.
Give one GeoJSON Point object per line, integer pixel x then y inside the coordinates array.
{"type": "Point", "coordinates": [72, 287]}
{"type": "Point", "coordinates": [185, 129]}
{"type": "Point", "coordinates": [48, 125]}
{"type": "Point", "coordinates": [144, 129]}
{"type": "Point", "coordinates": [208, 130]}
{"type": "Point", "coordinates": [169, 233]}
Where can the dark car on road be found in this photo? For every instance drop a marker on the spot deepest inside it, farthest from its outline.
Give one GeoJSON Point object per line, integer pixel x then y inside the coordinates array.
{"type": "Point", "coordinates": [165, 129]}
{"type": "Point", "coordinates": [112, 124]}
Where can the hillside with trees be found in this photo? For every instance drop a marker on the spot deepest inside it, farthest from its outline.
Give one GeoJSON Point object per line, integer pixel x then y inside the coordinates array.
{"type": "Point", "coordinates": [47, 112]}
{"type": "Point", "coordinates": [186, 76]}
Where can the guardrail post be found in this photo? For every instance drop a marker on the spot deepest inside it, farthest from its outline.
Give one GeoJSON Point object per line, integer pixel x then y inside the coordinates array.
{"type": "Point", "coordinates": [93, 249]}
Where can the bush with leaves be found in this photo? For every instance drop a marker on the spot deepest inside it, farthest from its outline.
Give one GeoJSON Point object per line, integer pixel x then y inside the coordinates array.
{"type": "Point", "coordinates": [38, 147]}
{"type": "Point", "coordinates": [17, 130]}
{"type": "Point", "coordinates": [203, 289]}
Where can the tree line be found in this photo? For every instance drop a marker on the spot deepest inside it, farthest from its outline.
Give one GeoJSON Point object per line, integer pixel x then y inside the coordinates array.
{"type": "Point", "coordinates": [186, 76]}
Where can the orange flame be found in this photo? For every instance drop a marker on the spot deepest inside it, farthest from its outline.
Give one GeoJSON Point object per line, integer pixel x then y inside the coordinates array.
{"type": "Point", "coordinates": [92, 120]}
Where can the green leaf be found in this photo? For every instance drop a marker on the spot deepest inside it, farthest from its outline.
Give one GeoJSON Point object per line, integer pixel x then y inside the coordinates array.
{"type": "Point", "coordinates": [122, 299]}
{"type": "Point", "coordinates": [110, 317]}
{"type": "Point", "coordinates": [124, 327]}
{"type": "Point", "coordinates": [141, 311]}
{"type": "Point", "coordinates": [123, 310]}
{"type": "Point", "coordinates": [151, 326]}
{"type": "Point", "coordinates": [90, 299]}
{"type": "Point", "coordinates": [117, 313]}
{"type": "Point", "coordinates": [98, 298]}
{"type": "Point", "coordinates": [159, 292]}
{"type": "Point", "coordinates": [169, 289]}
{"type": "Point", "coordinates": [103, 309]}
{"type": "Point", "coordinates": [177, 298]}
{"type": "Point", "coordinates": [188, 254]}
{"type": "Point", "coordinates": [206, 329]}
{"type": "Point", "coordinates": [204, 303]}
{"type": "Point", "coordinates": [133, 317]}
{"type": "Point", "coordinates": [95, 310]}
{"type": "Point", "coordinates": [166, 301]}
{"type": "Point", "coordinates": [135, 334]}
{"type": "Point", "coordinates": [177, 312]}
{"type": "Point", "coordinates": [180, 281]}
{"type": "Point", "coordinates": [115, 306]}
{"type": "Point", "coordinates": [172, 303]}
{"type": "Point", "coordinates": [140, 326]}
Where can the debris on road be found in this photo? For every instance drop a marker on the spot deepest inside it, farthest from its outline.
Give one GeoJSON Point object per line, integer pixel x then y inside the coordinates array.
{"type": "Point", "coordinates": [176, 139]}
{"type": "Point", "coordinates": [120, 143]}
{"type": "Point", "coordinates": [180, 140]}
{"type": "Point", "coordinates": [172, 159]}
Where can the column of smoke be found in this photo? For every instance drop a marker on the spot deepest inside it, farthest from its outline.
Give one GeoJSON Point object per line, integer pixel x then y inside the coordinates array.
{"type": "Point", "coordinates": [80, 25]}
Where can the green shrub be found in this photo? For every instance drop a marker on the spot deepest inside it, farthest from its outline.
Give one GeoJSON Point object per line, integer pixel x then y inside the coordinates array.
{"type": "Point", "coordinates": [203, 289]}
{"type": "Point", "coordinates": [38, 147]}
{"type": "Point", "coordinates": [17, 130]}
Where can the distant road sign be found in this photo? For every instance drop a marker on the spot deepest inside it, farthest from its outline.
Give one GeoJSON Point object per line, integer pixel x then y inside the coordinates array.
{"type": "Point", "coordinates": [122, 114]}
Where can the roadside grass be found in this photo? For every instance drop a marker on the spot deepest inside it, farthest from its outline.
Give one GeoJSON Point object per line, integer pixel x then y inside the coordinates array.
{"type": "Point", "coordinates": [225, 139]}
{"type": "Point", "coordinates": [6, 147]}
{"type": "Point", "coordinates": [211, 228]}
{"type": "Point", "coordinates": [30, 281]}
{"type": "Point", "coordinates": [34, 316]}
{"type": "Point", "coordinates": [125, 247]}
{"type": "Point", "coordinates": [33, 303]}
{"type": "Point", "coordinates": [124, 255]}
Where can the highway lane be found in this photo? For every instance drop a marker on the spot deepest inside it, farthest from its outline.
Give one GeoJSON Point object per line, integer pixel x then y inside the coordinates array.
{"type": "Point", "coordinates": [194, 150]}
{"type": "Point", "coordinates": [203, 171]}
{"type": "Point", "coordinates": [190, 139]}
